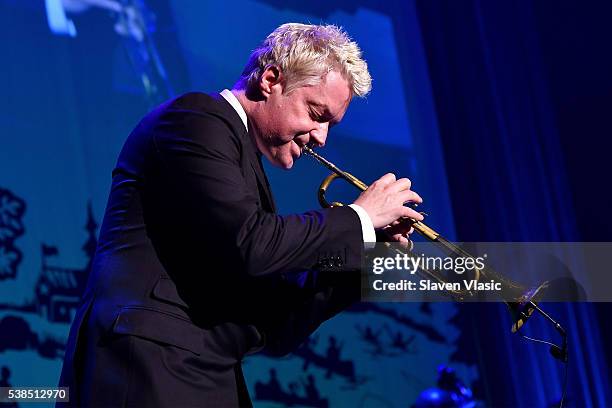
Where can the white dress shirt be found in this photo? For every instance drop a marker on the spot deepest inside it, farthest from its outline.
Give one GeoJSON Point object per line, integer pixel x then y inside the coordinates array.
{"type": "Point", "coordinates": [367, 228]}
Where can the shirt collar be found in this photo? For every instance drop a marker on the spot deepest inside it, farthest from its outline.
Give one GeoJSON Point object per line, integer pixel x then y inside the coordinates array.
{"type": "Point", "coordinates": [231, 98]}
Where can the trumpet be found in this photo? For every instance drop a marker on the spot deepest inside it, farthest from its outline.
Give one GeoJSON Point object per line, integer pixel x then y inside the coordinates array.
{"type": "Point", "coordinates": [521, 301]}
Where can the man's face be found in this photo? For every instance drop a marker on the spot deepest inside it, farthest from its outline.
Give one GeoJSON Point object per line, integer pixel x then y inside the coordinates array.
{"type": "Point", "coordinates": [286, 122]}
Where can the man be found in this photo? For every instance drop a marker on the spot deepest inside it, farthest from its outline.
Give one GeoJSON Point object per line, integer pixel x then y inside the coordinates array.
{"type": "Point", "coordinates": [194, 269]}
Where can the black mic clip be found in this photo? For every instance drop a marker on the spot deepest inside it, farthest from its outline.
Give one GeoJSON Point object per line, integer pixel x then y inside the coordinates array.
{"type": "Point", "coordinates": [560, 353]}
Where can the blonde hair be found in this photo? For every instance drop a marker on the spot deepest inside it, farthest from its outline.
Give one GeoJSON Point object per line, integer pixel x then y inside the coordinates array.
{"type": "Point", "coordinates": [305, 54]}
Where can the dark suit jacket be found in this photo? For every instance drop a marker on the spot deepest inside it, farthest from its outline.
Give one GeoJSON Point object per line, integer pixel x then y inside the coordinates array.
{"type": "Point", "coordinates": [194, 269]}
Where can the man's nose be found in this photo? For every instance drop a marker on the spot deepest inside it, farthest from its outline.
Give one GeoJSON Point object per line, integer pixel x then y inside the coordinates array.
{"type": "Point", "coordinates": [318, 136]}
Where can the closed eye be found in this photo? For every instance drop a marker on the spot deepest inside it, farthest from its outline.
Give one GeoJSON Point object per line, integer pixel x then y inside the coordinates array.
{"type": "Point", "coordinates": [316, 116]}
{"type": "Point", "coordinates": [322, 118]}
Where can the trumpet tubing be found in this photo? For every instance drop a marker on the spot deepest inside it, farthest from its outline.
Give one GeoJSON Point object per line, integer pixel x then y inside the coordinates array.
{"type": "Point", "coordinates": [520, 301]}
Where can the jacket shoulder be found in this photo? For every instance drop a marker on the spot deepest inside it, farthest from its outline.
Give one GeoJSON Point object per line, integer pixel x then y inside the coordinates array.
{"type": "Point", "coordinates": [207, 104]}
{"type": "Point", "coordinates": [207, 120]}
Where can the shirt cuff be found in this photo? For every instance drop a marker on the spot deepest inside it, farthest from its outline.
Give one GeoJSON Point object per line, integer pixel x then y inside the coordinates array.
{"type": "Point", "coordinates": [367, 228]}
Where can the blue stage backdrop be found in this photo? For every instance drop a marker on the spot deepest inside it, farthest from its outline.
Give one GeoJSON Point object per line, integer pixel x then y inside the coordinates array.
{"type": "Point", "coordinates": [69, 103]}
{"type": "Point", "coordinates": [75, 79]}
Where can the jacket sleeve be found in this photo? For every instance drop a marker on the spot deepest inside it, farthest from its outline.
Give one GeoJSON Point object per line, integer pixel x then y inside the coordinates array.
{"type": "Point", "coordinates": [333, 294]}
{"type": "Point", "coordinates": [204, 159]}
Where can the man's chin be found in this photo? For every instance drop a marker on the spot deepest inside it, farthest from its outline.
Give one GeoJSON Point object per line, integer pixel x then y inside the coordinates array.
{"type": "Point", "coordinates": [285, 164]}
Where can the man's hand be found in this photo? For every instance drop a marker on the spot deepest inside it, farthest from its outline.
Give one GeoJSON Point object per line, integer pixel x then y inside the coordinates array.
{"type": "Point", "coordinates": [398, 231]}
{"type": "Point", "coordinates": [385, 198]}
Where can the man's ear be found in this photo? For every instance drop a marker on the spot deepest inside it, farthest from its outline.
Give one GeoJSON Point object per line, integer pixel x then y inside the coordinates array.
{"type": "Point", "coordinates": [271, 80]}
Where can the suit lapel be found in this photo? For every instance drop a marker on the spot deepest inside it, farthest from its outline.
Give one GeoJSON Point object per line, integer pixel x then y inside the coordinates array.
{"type": "Point", "coordinates": [253, 156]}
{"type": "Point", "coordinates": [262, 181]}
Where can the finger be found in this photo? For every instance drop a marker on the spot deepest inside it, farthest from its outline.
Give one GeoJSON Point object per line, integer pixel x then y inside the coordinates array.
{"type": "Point", "coordinates": [402, 226]}
{"type": "Point", "coordinates": [410, 213]}
{"type": "Point", "coordinates": [395, 223]}
{"type": "Point", "coordinates": [386, 179]}
{"type": "Point", "coordinates": [401, 238]}
{"type": "Point", "coordinates": [409, 196]}
{"type": "Point", "coordinates": [393, 236]}
{"type": "Point", "coordinates": [400, 185]}
{"type": "Point", "coordinates": [397, 237]}
{"type": "Point", "coordinates": [403, 241]}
